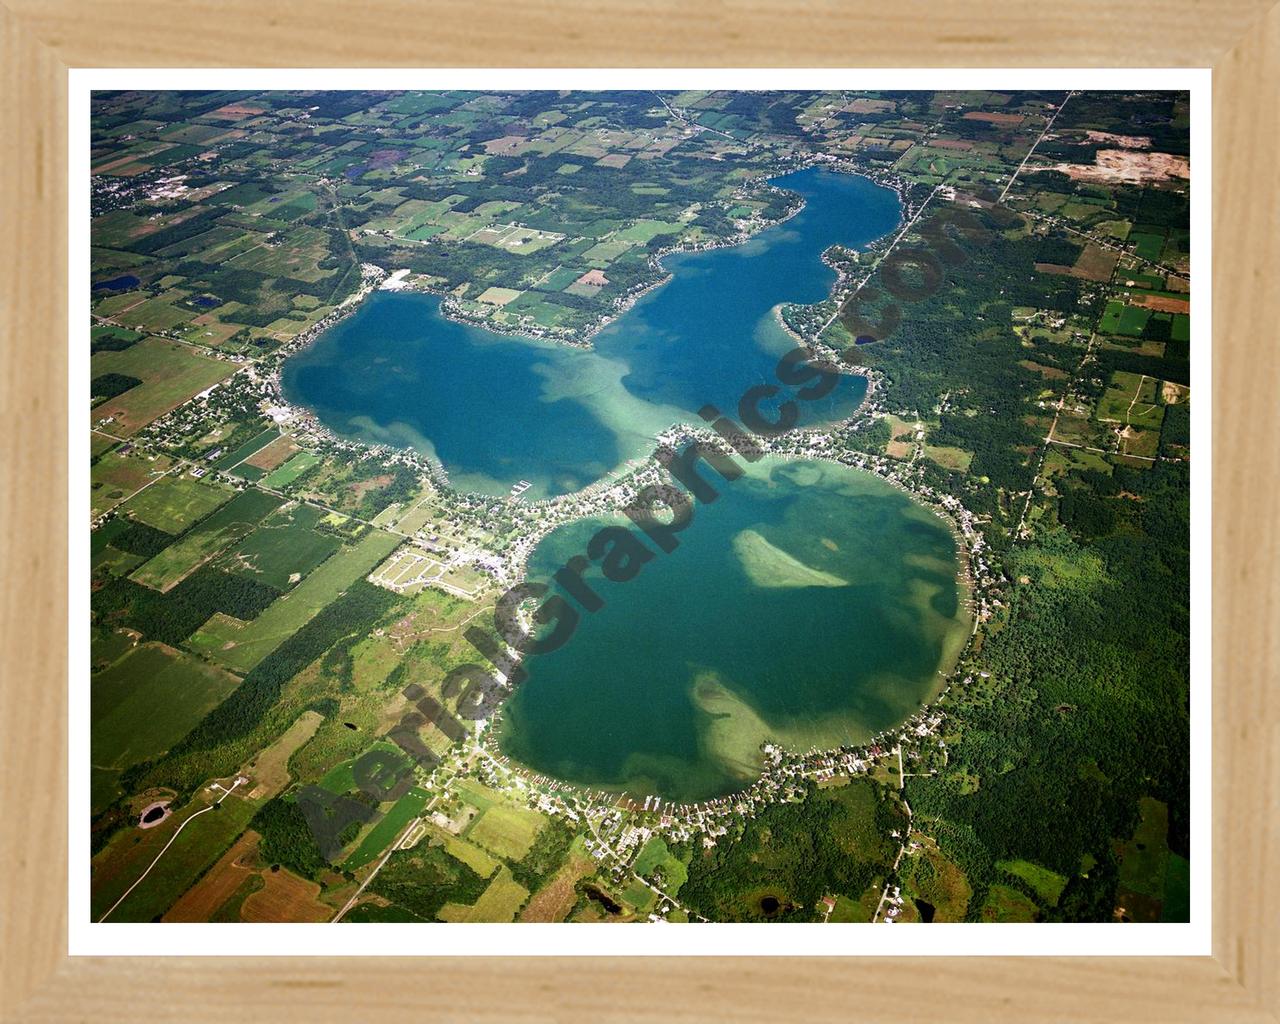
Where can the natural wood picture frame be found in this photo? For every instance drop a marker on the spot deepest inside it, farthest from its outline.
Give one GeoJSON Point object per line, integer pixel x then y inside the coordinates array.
{"type": "Point", "coordinates": [42, 39]}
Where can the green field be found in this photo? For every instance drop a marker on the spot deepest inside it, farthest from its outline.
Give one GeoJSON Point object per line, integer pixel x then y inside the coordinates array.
{"type": "Point", "coordinates": [1147, 245]}
{"type": "Point", "coordinates": [291, 470]}
{"type": "Point", "coordinates": [114, 477]}
{"type": "Point", "coordinates": [149, 700]}
{"type": "Point", "coordinates": [248, 448]}
{"type": "Point", "coordinates": [656, 857]}
{"type": "Point", "coordinates": [1132, 398]}
{"type": "Point", "coordinates": [227, 524]}
{"type": "Point", "coordinates": [387, 828]}
{"type": "Point", "coordinates": [284, 549]}
{"type": "Point", "coordinates": [174, 503]}
{"type": "Point", "coordinates": [1048, 885]}
{"type": "Point", "coordinates": [240, 648]}
{"type": "Point", "coordinates": [142, 705]}
{"type": "Point", "coordinates": [341, 779]}
{"type": "Point", "coordinates": [170, 374]}
{"type": "Point", "coordinates": [498, 904]}
{"type": "Point", "coordinates": [1005, 905]}
{"type": "Point", "coordinates": [647, 230]}
{"type": "Point", "coordinates": [472, 856]}
{"type": "Point", "coordinates": [506, 831]}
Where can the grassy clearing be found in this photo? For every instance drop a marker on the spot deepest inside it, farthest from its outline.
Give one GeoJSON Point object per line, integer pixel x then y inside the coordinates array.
{"type": "Point", "coordinates": [341, 777]}
{"type": "Point", "coordinates": [472, 856]}
{"type": "Point", "coordinates": [1132, 398]}
{"type": "Point", "coordinates": [656, 862]}
{"type": "Point", "coordinates": [291, 470]}
{"type": "Point", "coordinates": [955, 459]}
{"type": "Point", "coordinates": [114, 477]}
{"type": "Point", "coordinates": [284, 549]}
{"type": "Point", "coordinates": [498, 904]}
{"type": "Point", "coordinates": [507, 831]}
{"type": "Point", "coordinates": [1006, 905]}
{"type": "Point", "coordinates": [1048, 885]}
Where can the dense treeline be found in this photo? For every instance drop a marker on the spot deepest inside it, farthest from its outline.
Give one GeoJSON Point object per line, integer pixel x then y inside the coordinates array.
{"type": "Point", "coordinates": [193, 225]}
{"type": "Point", "coordinates": [174, 616]}
{"type": "Point", "coordinates": [139, 538]}
{"type": "Point", "coordinates": [287, 839]}
{"type": "Point", "coordinates": [549, 849]}
{"type": "Point", "coordinates": [957, 340]}
{"type": "Point", "coordinates": [351, 615]}
{"type": "Point", "coordinates": [424, 879]}
{"type": "Point", "coordinates": [402, 487]}
{"type": "Point", "coordinates": [110, 385]}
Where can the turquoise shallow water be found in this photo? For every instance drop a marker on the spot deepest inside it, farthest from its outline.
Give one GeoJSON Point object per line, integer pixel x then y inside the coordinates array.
{"type": "Point", "coordinates": [497, 409]}
{"type": "Point", "coordinates": [811, 604]}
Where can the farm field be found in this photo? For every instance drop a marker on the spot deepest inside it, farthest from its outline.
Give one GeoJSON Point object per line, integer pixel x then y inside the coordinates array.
{"type": "Point", "coordinates": [114, 477]}
{"type": "Point", "coordinates": [498, 904]}
{"type": "Point", "coordinates": [205, 540]}
{"type": "Point", "coordinates": [284, 549]}
{"type": "Point", "coordinates": [1132, 399]}
{"type": "Point", "coordinates": [290, 471]}
{"type": "Point", "coordinates": [170, 374]}
{"type": "Point", "coordinates": [387, 828]}
{"type": "Point", "coordinates": [176, 502]}
{"type": "Point", "coordinates": [505, 830]}
{"type": "Point", "coordinates": [149, 700]}
{"type": "Point", "coordinates": [240, 647]}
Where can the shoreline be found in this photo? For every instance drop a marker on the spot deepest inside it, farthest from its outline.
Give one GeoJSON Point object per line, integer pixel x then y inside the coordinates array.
{"type": "Point", "coordinates": [373, 277]}
{"type": "Point", "coordinates": [967, 543]}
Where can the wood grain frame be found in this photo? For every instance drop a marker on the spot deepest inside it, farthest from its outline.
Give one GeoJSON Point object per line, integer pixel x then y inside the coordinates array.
{"type": "Point", "coordinates": [41, 39]}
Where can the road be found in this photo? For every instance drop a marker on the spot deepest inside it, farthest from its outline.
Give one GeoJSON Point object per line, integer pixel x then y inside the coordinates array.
{"type": "Point", "coordinates": [643, 881]}
{"type": "Point", "coordinates": [1044, 449]}
{"type": "Point", "coordinates": [1105, 243]}
{"type": "Point", "coordinates": [400, 838]}
{"type": "Point", "coordinates": [906, 841]}
{"type": "Point", "coordinates": [177, 832]}
{"type": "Point", "coordinates": [692, 123]}
{"type": "Point", "coordinates": [879, 259]}
{"type": "Point", "coordinates": [1039, 139]}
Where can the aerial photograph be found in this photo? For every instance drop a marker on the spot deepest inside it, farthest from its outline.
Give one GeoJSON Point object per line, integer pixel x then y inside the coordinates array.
{"type": "Point", "coordinates": [638, 506]}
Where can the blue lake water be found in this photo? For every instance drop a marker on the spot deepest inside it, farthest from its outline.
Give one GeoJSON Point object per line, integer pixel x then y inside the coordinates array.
{"type": "Point", "coordinates": [496, 409]}
{"type": "Point", "coordinates": [811, 605]}
{"type": "Point", "coordinates": [117, 283]}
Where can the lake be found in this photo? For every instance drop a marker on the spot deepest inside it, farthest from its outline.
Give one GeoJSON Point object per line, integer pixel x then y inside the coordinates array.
{"type": "Point", "coordinates": [811, 604]}
{"type": "Point", "coordinates": [495, 409]}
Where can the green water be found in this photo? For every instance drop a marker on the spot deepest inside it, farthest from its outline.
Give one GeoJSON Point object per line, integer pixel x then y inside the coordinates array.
{"type": "Point", "coordinates": [811, 604]}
